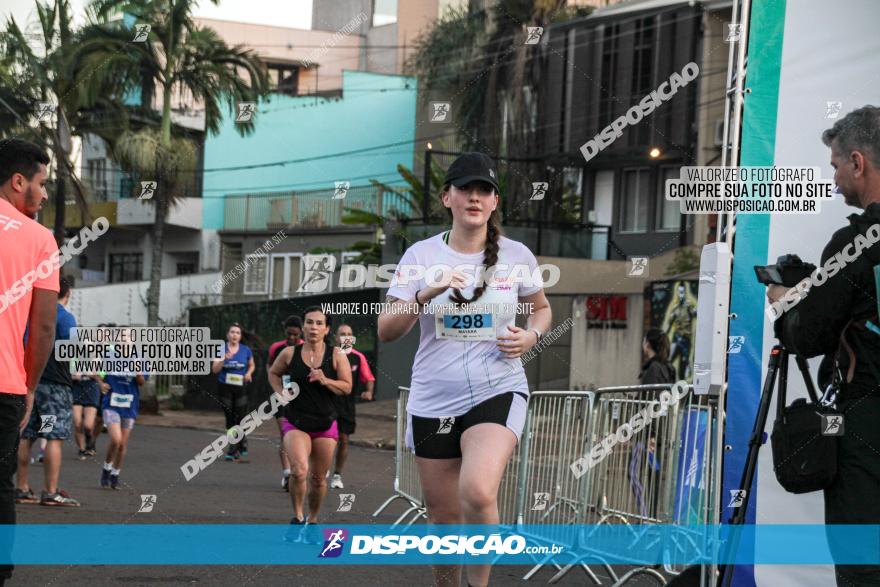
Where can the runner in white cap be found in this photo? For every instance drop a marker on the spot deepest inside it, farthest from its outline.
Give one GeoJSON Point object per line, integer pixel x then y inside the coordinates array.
{"type": "Point", "coordinates": [468, 395]}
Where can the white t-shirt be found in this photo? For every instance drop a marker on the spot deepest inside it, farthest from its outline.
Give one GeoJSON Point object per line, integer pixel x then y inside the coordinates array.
{"type": "Point", "coordinates": [449, 377]}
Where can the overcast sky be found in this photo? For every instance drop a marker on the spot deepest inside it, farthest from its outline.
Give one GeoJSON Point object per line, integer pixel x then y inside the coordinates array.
{"type": "Point", "coordinates": [286, 13]}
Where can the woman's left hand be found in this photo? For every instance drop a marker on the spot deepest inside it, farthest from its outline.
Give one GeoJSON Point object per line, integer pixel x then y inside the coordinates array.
{"type": "Point", "coordinates": [518, 342]}
{"type": "Point", "coordinates": [317, 375]}
{"type": "Point", "coordinates": [248, 378]}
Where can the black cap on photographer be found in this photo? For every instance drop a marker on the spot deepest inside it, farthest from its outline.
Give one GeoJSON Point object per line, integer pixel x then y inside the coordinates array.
{"type": "Point", "coordinates": [470, 167]}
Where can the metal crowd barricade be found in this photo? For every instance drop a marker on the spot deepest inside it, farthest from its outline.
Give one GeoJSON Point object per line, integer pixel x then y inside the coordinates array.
{"type": "Point", "coordinates": [406, 474]}
{"type": "Point", "coordinates": [663, 474]}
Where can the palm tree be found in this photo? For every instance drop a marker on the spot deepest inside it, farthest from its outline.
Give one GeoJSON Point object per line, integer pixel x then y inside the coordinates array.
{"type": "Point", "coordinates": [178, 58]}
{"type": "Point", "coordinates": [45, 74]}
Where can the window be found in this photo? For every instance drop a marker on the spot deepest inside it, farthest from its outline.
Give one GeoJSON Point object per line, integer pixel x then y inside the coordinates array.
{"type": "Point", "coordinates": [126, 267]}
{"type": "Point", "coordinates": [608, 90]}
{"type": "Point", "coordinates": [572, 194]}
{"type": "Point", "coordinates": [384, 12]}
{"type": "Point", "coordinates": [642, 73]}
{"type": "Point", "coordinates": [285, 275]}
{"type": "Point", "coordinates": [283, 78]}
{"type": "Point", "coordinates": [634, 200]}
{"type": "Point", "coordinates": [255, 274]}
{"type": "Point", "coordinates": [668, 212]}
{"type": "Point", "coordinates": [97, 170]}
{"type": "Point", "coordinates": [186, 268]}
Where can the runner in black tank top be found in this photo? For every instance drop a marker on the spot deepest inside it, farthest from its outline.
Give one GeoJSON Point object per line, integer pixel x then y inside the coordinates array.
{"type": "Point", "coordinates": [313, 410]}
{"type": "Point", "coordinates": [310, 431]}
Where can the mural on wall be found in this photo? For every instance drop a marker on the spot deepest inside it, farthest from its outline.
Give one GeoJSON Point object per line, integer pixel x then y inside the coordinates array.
{"type": "Point", "coordinates": [674, 311]}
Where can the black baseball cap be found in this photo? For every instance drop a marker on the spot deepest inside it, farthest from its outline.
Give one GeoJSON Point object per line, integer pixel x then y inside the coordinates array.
{"type": "Point", "coordinates": [470, 167]}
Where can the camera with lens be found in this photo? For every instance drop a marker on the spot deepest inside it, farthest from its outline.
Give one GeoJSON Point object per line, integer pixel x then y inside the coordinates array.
{"type": "Point", "coordinates": [788, 271]}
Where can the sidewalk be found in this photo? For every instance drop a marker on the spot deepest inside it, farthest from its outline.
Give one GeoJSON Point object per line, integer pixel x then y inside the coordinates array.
{"type": "Point", "coordinates": [376, 423]}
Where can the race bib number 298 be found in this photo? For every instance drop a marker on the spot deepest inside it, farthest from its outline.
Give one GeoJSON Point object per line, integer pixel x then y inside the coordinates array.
{"type": "Point", "coordinates": [467, 327]}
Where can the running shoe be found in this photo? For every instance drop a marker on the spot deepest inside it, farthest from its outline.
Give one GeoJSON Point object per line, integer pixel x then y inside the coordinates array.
{"type": "Point", "coordinates": [91, 452]}
{"type": "Point", "coordinates": [25, 496]}
{"type": "Point", "coordinates": [40, 458]}
{"type": "Point", "coordinates": [336, 481]}
{"type": "Point", "coordinates": [294, 532]}
{"type": "Point", "coordinates": [105, 478]}
{"type": "Point", "coordinates": [243, 453]}
{"type": "Point", "coordinates": [232, 455]}
{"type": "Point", "coordinates": [114, 481]}
{"type": "Point", "coordinates": [58, 499]}
{"type": "Point", "coordinates": [285, 482]}
{"type": "Point", "coordinates": [312, 534]}
{"type": "Point", "coordinates": [82, 455]}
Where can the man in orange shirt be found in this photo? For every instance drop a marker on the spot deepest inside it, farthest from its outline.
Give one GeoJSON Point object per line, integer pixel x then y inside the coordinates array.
{"type": "Point", "coordinates": [29, 268]}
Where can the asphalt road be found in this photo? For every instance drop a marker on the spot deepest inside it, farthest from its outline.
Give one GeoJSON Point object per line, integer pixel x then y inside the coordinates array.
{"type": "Point", "coordinates": [225, 493]}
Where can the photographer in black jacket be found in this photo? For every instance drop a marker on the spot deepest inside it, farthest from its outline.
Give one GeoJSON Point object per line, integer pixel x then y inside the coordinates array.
{"type": "Point", "coordinates": [836, 319]}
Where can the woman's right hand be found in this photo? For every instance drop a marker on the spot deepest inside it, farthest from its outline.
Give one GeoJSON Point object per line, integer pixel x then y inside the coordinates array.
{"type": "Point", "coordinates": [449, 279]}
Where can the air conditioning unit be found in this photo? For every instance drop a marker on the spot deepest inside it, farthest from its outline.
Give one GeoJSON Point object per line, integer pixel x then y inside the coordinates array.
{"type": "Point", "coordinates": [719, 133]}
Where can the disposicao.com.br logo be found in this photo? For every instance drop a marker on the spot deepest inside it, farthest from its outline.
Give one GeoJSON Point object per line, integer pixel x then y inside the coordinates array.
{"type": "Point", "coordinates": [433, 544]}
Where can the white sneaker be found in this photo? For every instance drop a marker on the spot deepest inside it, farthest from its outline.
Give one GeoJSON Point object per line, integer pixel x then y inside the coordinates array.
{"type": "Point", "coordinates": [336, 482]}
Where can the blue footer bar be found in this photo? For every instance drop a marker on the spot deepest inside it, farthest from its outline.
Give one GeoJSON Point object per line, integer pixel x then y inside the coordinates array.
{"type": "Point", "coordinates": [375, 544]}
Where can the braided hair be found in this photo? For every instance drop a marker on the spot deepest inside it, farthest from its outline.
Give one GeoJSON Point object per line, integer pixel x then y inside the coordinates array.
{"type": "Point", "coordinates": [490, 258]}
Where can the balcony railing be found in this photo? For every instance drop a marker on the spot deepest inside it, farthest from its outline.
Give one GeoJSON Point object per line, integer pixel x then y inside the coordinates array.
{"type": "Point", "coordinates": [313, 209]}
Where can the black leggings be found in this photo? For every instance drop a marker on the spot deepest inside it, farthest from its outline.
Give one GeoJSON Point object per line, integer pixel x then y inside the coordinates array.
{"type": "Point", "coordinates": [234, 399]}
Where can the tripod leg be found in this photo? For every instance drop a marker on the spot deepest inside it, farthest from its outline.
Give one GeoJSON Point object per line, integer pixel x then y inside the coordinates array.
{"type": "Point", "coordinates": [778, 360]}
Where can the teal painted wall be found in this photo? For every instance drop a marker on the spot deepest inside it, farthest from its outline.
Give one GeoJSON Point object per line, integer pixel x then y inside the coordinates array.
{"type": "Point", "coordinates": [374, 110]}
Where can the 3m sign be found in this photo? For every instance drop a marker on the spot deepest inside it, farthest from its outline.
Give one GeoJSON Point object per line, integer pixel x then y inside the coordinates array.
{"type": "Point", "coordinates": [606, 311]}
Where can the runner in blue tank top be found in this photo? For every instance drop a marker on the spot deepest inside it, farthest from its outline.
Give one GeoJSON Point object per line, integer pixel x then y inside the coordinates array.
{"type": "Point", "coordinates": [468, 395]}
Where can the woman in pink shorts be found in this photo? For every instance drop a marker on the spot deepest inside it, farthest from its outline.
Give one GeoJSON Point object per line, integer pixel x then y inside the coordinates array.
{"type": "Point", "coordinates": [310, 433]}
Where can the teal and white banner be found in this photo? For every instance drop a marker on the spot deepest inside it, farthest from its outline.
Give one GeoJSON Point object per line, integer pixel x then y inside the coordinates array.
{"type": "Point", "coordinates": [809, 63]}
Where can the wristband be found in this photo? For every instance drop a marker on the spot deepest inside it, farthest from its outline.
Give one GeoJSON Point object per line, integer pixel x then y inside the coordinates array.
{"type": "Point", "coordinates": [417, 298]}
{"type": "Point", "coordinates": [538, 334]}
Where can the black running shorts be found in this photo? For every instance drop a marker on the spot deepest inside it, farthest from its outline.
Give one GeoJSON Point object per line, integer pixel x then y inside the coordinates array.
{"type": "Point", "coordinates": [440, 438]}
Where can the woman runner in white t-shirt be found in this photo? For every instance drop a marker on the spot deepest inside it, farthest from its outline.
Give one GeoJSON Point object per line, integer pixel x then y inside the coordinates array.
{"type": "Point", "coordinates": [468, 395]}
